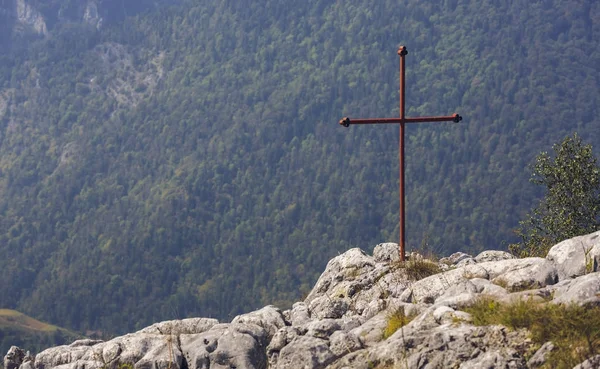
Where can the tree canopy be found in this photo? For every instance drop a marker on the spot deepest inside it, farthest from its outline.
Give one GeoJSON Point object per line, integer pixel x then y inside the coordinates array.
{"type": "Point", "coordinates": [571, 203]}
{"type": "Point", "coordinates": [187, 160]}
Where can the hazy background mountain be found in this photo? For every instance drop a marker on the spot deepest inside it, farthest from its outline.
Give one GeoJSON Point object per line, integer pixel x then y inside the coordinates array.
{"type": "Point", "coordinates": [179, 160]}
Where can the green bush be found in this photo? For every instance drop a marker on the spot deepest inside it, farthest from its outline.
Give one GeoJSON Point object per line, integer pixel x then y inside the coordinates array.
{"type": "Point", "coordinates": [571, 206]}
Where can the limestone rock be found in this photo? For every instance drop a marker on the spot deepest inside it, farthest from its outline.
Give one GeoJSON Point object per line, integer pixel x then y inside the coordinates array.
{"type": "Point", "coordinates": [184, 326]}
{"type": "Point", "coordinates": [386, 252]}
{"type": "Point", "coordinates": [541, 355]}
{"type": "Point", "coordinates": [13, 358]}
{"type": "Point", "coordinates": [350, 283]}
{"type": "Point", "coordinates": [493, 255]}
{"type": "Point", "coordinates": [430, 288]}
{"type": "Point", "coordinates": [582, 290]}
{"type": "Point", "coordinates": [269, 318]}
{"type": "Point", "coordinates": [445, 346]}
{"type": "Point", "coordinates": [520, 274]}
{"type": "Point", "coordinates": [29, 16]}
{"type": "Point", "coordinates": [299, 314]}
{"type": "Point", "coordinates": [487, 288]}
{"type": "Point", "coordinates": [226, 346]}
{"type": "Point", "coordinates": [591, 363]}
{"type": "Point", "coordinates": [576, 256]}
{"type": "Point", "coordinates": [455, 258]}
{"type": "Point", "coordinates": [342, 343]}
{"type": "Point", "coordinates": [371, 331]}
{"type": "Point", "coordinates": [305, 352]}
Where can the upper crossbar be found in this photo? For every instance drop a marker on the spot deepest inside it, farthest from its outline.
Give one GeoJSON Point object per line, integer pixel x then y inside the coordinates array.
{"type": "Point", "coordinates": [346, 121]}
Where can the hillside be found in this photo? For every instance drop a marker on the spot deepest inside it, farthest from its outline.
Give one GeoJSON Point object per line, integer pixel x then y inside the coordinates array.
{"type": "Point", "coordinates": [188, 160]}
{"type": "Point", "coordinates": [21, 330]}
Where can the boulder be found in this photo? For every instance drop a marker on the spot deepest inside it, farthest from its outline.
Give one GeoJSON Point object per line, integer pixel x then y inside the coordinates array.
{"type": "Point", "coordinates": [583, 290]}
{"type": "Point", "coordinates": [269, 318]}
{"type": "Point", "coordinates": [13, 358]}
{"type": "Point", "coordinates": [430, 288]}
{"type": "Point", "coordinates": [386, 252]}
{"type": "Point", "coordinates": [299, 314]}
{"type": "Point", "coordinates": [235, 345]}
{"type": "Point", "coordinates": [541, 355]}
{"type": "Point", "coordinates": [591, 363]}
{"type": "Point", "coordinates": [305, 352]}
{"type": "Point", "coordinates": [350, 284]}
{"type": "Point", "coordinates": [342, 343]}
{"type": "Point", "coordinates": [487, 288]}
{"type": "Point", "coordinates": [576, 256]}
{"type": "Point", "coordinates": [493, 255]}
{"type": "Point", "coordinates": [521, 274]}
{"type": "Point", "coordinates": [348, 266]}
{"type": "Point", "coordinates": [445, 346]}
{"type": "Point", "coordinates": [455, 258]}
{"type": "Point", "coordinates": [371, 331]}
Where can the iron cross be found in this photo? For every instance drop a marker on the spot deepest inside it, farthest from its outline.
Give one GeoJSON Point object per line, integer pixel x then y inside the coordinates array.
{"type": "Point", "coordinates": [402, 120]}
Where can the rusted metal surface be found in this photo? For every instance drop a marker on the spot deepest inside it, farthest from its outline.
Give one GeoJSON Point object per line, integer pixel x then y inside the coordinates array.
{"type": "Point", "coordinates": [401, 120]}
{"type": "Point", "coordinates": [346, 121]}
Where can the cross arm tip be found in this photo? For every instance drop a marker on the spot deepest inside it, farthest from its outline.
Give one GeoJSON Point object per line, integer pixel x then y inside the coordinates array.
{"type": "Point", "coordinates": [457, 118]}
{"type": "Point", "coordinates": [345, 121]}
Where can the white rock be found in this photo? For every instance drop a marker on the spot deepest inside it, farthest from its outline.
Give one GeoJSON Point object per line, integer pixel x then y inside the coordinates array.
{"type": "Point", "coordinates": [386, 252]}
{"type": "Point", "coordinates": [579, 290]}
{"type": "Point", "coordinates": [576, 256]}
{"type": "Point", "coordinates": [343, 343]}
{"type": "Point", "coordinates": [269, 318]}
{"type": "Point", "coordinates": [305, 352]}
{"type": "Point", "coordinates": [184, 326]}
{"type": "Point", "coordinates": [493, 255]}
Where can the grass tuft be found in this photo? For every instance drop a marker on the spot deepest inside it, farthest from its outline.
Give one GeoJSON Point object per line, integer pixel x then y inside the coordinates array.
{"type": "Point", "coordinates": [396, 320]}
{"type": "Point", "coordinates": [419, 268]}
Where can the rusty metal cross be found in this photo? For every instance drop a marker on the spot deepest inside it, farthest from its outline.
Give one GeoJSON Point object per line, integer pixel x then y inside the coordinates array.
{"type": "Point", "coordinates": [402, 120]}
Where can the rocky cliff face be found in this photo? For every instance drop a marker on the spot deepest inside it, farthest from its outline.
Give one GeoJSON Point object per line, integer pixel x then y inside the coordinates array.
{"type": "Point", "coordinates": [39, 18]}
{"type": "Point", "coordinates": [29, 17]}
{"type": "Point", "coordinates": [343, 322]}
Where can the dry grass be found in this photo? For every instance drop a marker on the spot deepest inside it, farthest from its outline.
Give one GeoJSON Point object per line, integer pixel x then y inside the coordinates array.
{"type": "Point", "coordinates": [396, 320]}
{"type": "Point", "coordinates": [15, 319]}
{"type": "Point", "coordinates": [418, 269]}
{"type": "Point", "coordinates": [574, 330]}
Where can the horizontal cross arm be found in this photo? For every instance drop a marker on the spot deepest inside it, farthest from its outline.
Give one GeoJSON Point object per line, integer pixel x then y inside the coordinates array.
{"type": "Point", "coordinates": [448, 118]}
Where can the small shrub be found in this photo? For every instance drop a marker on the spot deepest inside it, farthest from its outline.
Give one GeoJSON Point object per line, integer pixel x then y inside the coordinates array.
{"type": "Point", "coordinates": [396, 320]}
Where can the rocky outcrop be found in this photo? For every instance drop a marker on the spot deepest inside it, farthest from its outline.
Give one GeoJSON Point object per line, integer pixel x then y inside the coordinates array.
{"type": "Point", "coordinates": [28, 16]}
{"type": "Point", "coordinates": [343, 322]}
{"type": "Point", "coordinates": [576, 256]}
{"type": "Point", "coordinates": [91, 15]}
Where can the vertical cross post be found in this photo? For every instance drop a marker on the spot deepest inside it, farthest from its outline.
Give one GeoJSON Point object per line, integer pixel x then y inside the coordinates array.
{"type": "Point", "coordinates": [402, 120]}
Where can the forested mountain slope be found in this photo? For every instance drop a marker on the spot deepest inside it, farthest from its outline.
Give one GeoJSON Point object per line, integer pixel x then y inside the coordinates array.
{"type": "Point", "coordinates": [188, 161]}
